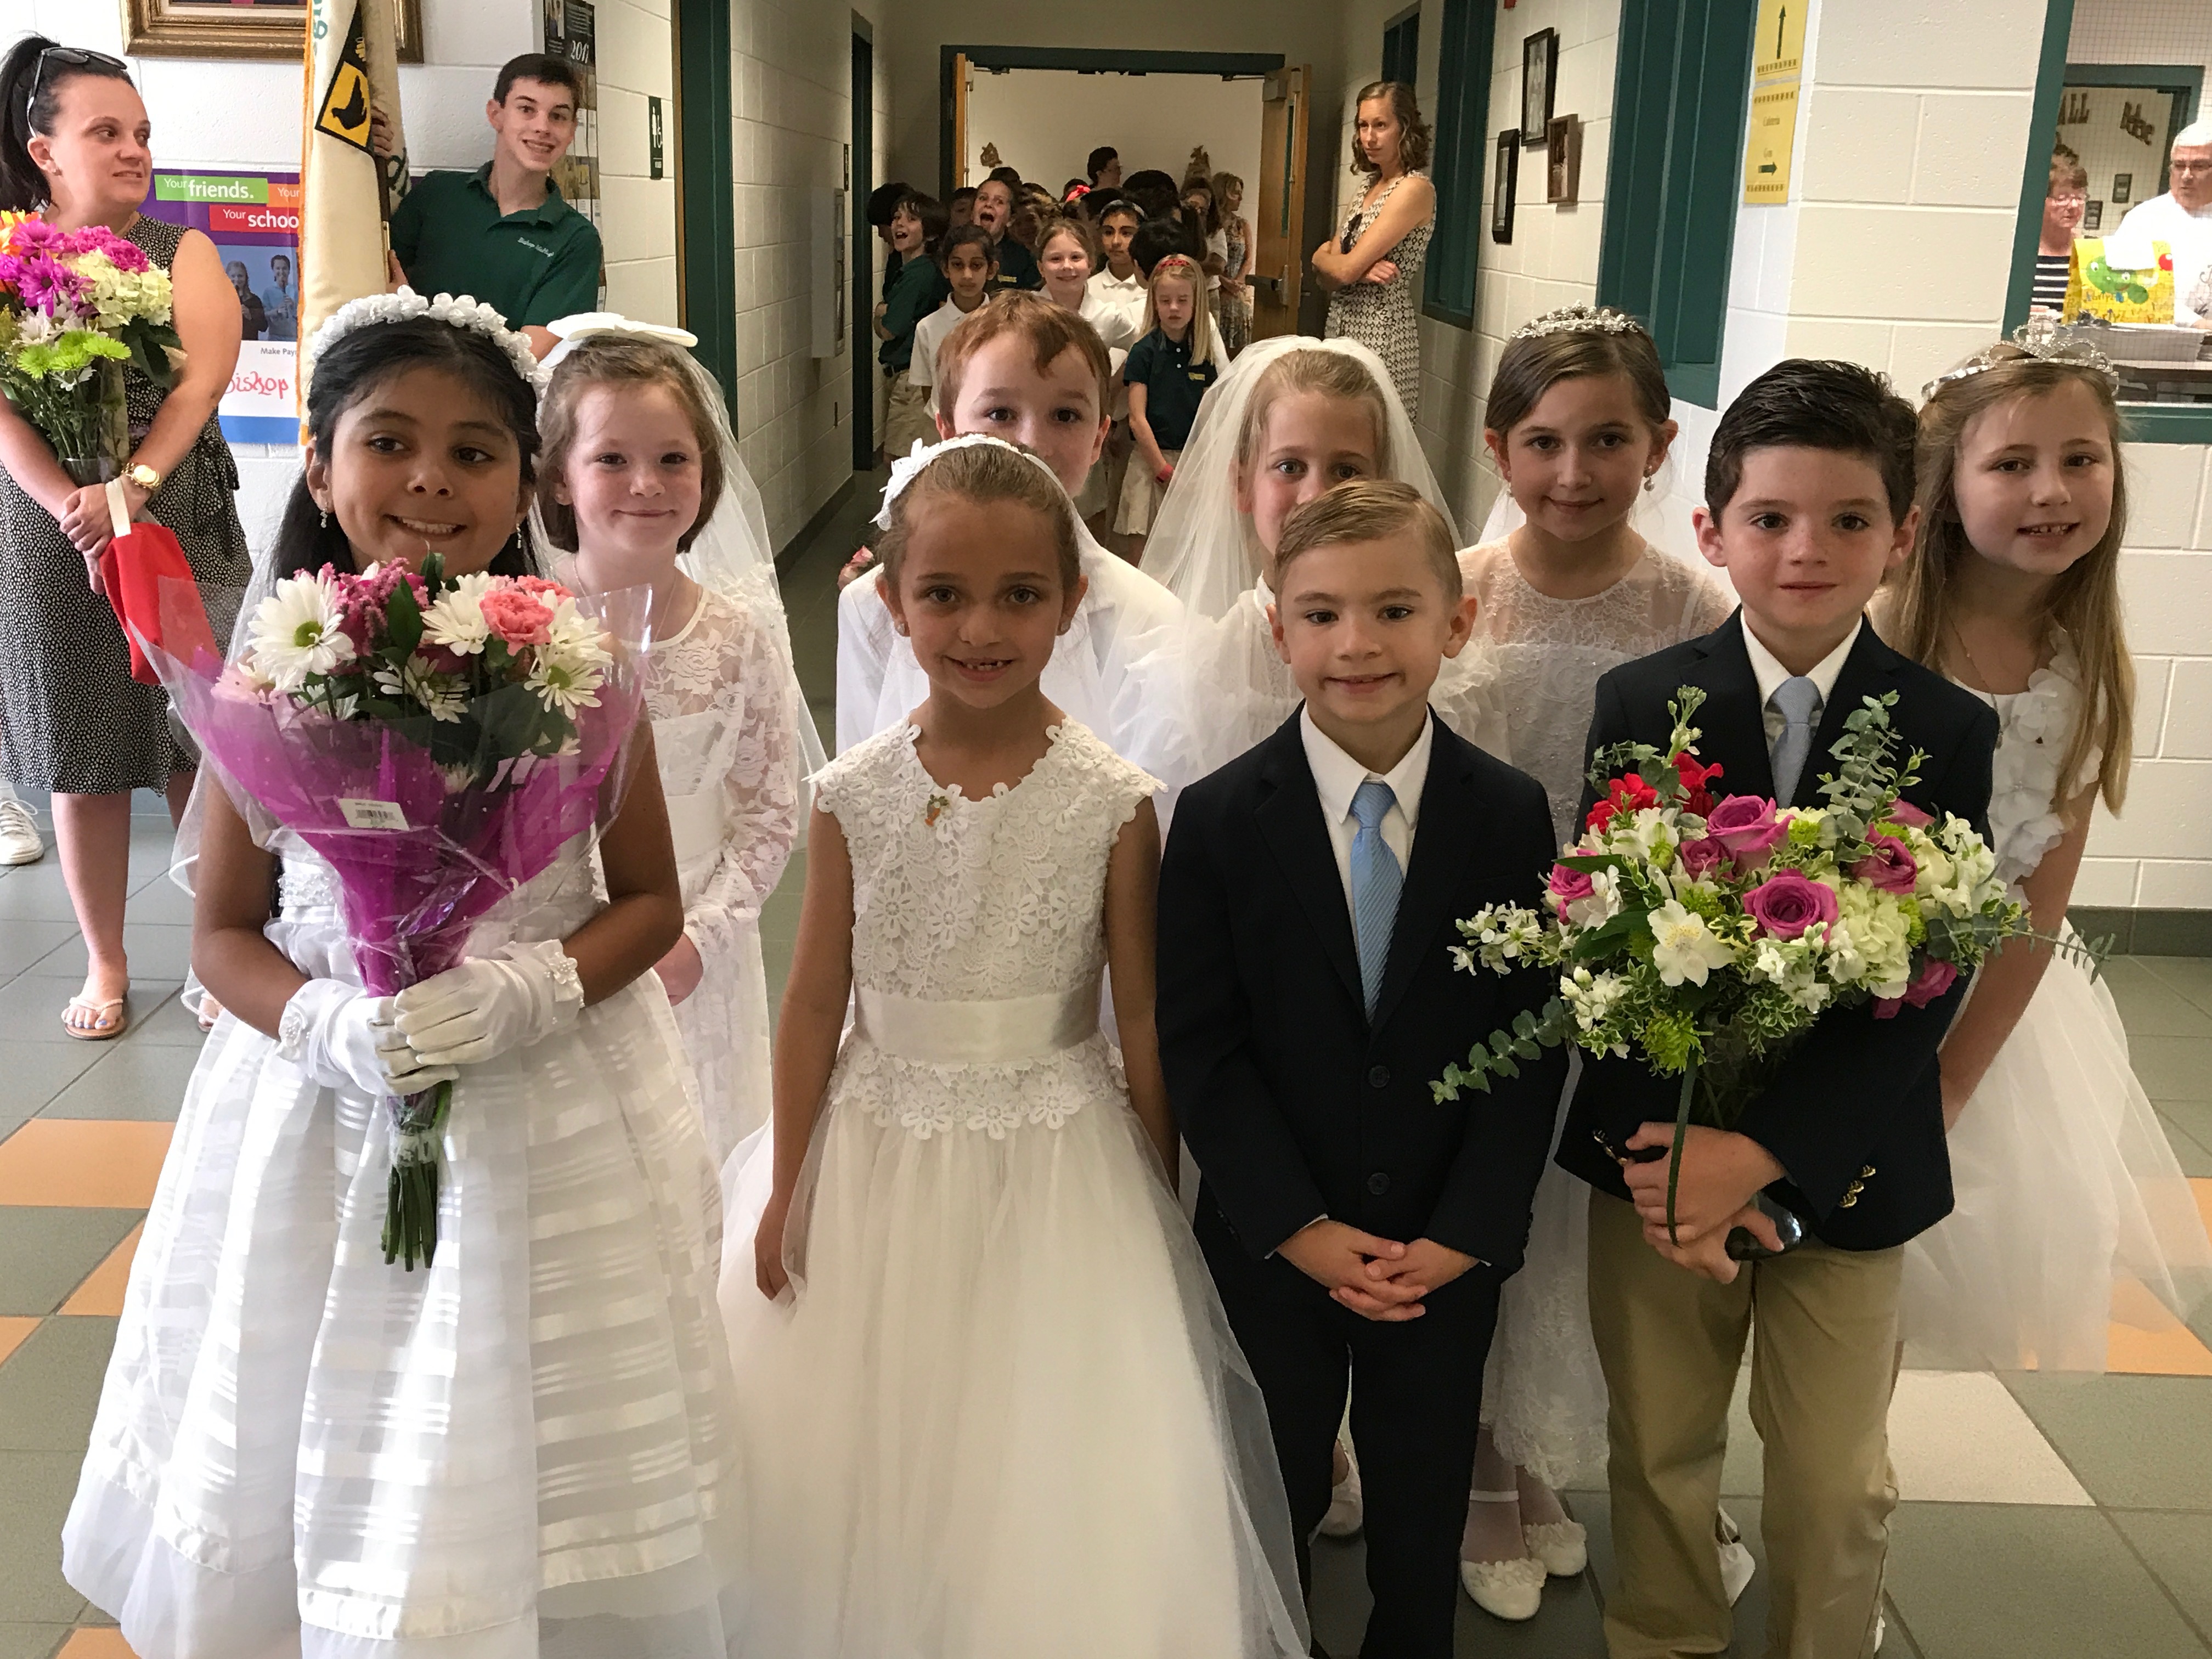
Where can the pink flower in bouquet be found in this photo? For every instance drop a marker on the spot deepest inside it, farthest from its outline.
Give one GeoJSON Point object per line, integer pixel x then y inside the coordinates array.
{"type": "Point", "coordinates": [517, 617]}
{"type": "Point", "coordinates": [1699, 857]}
{"type": "Point", "coordinates": [1784, 906]}
{"type": "Point", "coordinates": [1569, 885]}
{"type": "Point", "coordinates": [1904, 812]}
{"type": "Point", "coordinates": [1933, 978]}
{"type": "Point", "coordinates": [1890, 867]}
{"type": "Point", "coordinates": [1747, 826]}
{"type": "Point", "coordinates": [46, 284]}
{"type": "Point", "coordinates": [542, 588]}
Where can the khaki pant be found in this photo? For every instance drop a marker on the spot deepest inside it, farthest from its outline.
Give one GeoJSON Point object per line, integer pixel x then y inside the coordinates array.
{"type": "Point", "coordinates": [1823, 1366]}
{"type": "Point", "coordinates": [907, 419]}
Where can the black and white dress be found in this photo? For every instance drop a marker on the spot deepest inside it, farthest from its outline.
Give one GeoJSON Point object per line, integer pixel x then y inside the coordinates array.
{"type": "Point", "coordinates": [71, 717]}
{"type": "Point", "coordinates": [1381, 316]}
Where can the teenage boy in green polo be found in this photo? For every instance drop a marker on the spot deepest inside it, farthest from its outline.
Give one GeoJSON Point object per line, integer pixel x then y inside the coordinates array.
{"type": "Point", "coordinates": [502, 233]}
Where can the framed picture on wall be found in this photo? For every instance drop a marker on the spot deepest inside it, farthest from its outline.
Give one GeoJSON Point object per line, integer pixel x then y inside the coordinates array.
{"type": "Point", "coordinates": [1563, 161]}
{"type": "Point", "coordinates": [1504, 175]}
{"type": "Point", "coordinates": [2093, 215]}
{"type": "Point", "coordinates": [1540, 74]}
{"type": "Point", "coordinates": [2123, 186]}
{"type": "Point", "coordinates": [274, 29]}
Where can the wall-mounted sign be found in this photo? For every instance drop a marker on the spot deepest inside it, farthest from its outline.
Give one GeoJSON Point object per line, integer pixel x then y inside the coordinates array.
{"type": "Point", "coordinates": [654, 141]}
{"type": "Point", "coordinates": [253, 219]}
{"type": "Point", "coordinates": [1777, 59]}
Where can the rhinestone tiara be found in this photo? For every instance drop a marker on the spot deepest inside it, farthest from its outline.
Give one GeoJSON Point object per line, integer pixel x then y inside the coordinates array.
{"type": "Point", "coordinates": [1579, 319]}
{"type": "Point", "coordinates": [2039, 337]}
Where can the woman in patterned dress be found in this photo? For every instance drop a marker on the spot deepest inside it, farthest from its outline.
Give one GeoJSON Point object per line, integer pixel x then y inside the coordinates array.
{"type": "Point", "coordinates": [74, 148]}
{"type": "Point", "coordinates": [1371, 267]}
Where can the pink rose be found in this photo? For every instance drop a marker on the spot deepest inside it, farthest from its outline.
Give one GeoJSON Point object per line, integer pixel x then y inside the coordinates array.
{"type": "Point", "coordinates": [1935, 976]}
{"type": "Point", "coordinates": [1569, 885]}
{"type": "Point", "coordinates": [1904, 812]}
{"type": "Point", "coordinates": [1747, 826]}
{"type": "Point", "coordinates": [1890, 867]}
{"type": "Point", "coordinates": [516, 616]}
{"type": "Point", "coordinates": [1784, 906]}
{"type": "Point", "coordinates": [1700, 857]}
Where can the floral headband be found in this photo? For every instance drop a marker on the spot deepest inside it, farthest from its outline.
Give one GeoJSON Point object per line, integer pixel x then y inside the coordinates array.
{"type": "Point", "coordinates": [908, 467]}
{"type": "Point", "coordinates": [1580, 319]}
{"type": "Point", "coordinates": [404, 305]}
{"type": "Point", "coordinates": [2041, 338]}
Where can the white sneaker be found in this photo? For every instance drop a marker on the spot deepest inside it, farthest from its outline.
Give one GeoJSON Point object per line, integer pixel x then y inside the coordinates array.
{"type": "Point", "coordinates": [1347, 1512]}
{"type": "Point", "coordinates": [1511, 1589]}
{"type": "Point", "coordinates": [20, 841]}
{"type": "Point", "coordinates": [1562, 1545]}
{"type": "Point", "coordinates": [1737, 1567]}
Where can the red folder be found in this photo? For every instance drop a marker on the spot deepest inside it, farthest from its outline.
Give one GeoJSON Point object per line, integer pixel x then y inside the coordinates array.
{"type": "Point", "coordinates": [147, 579]}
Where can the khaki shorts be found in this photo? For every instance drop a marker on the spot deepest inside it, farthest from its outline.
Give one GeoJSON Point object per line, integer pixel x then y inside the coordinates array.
{"type": "Point", "coordinates": [1140, 494]}
{"type": "Point", "coordinates": [905, 417]}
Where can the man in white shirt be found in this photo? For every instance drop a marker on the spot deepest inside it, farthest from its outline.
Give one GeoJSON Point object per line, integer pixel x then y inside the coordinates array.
{"type": "Point", "coordinates": [2182, 219]}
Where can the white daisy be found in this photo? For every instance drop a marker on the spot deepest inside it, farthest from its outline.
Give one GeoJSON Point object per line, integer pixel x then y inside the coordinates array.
{"type": "Point", "coordinates": [560, 686]}
{"type": "Point", "coordinates": [442, 695]}
{"type": "Point", "coordinates": [295, 633]}
{"type": "Point", "coordinates": [456, 620]}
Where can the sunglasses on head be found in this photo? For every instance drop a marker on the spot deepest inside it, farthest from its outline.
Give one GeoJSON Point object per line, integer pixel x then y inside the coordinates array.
{"type": "Point", "coordinates": [74, 57]}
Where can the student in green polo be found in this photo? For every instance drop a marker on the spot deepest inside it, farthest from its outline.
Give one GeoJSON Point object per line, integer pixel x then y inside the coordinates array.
{"type": "Point", "coordinates": [502, 233]}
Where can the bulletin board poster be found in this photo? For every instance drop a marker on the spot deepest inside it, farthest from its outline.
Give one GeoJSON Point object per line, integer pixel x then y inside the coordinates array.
{"type": "Point", "coordinates": [253, 219]}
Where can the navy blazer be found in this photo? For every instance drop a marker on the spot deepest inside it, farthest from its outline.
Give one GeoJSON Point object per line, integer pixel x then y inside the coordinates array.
{"type": "Point", "coordinates": [1856, 1113]}
{"type": "Point", "coordinates": [1294, 1104]}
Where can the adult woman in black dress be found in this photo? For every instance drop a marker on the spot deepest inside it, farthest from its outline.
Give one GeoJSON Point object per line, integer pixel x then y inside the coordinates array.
{"type": "Point", "coordinates": [74, 147]}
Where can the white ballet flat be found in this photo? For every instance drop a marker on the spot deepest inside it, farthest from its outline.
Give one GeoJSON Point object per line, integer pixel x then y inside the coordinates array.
{"type": "Point", "coordinates": [1562, 1545]}
{"type": "Point", "coordinates": [1512, 1590]}
{"type": "Point", "coordinates": [1737, 1568]}
{"type": "Point", "coordinates": [1880, 1628]}
{"type": "Point", "coordinates": [1346, 1509]}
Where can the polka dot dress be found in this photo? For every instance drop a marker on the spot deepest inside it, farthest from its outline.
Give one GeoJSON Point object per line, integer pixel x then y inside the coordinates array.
{"type": "Point", "coordinates": [1381, 316]}
{"type": "Point", "coordinates": [71, 717]}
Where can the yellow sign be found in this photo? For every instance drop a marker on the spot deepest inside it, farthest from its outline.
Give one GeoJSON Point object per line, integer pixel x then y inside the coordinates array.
{"type": "Point", "coordinates": [345, 104]}
{"type": "Point", "coordinates": [1779, 49]}
{"type": "Point", "coordinates": [1767, 149]}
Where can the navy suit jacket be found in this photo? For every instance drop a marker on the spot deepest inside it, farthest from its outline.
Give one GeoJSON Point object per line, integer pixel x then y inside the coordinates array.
{"type": "Point", "coordinates": [1856, 1113]}
{"type": "Point", "coordinates": [1294, 1102]}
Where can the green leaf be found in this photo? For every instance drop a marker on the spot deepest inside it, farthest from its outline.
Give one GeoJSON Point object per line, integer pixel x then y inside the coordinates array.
{"type": "Point", "coordinates": [403, 619]}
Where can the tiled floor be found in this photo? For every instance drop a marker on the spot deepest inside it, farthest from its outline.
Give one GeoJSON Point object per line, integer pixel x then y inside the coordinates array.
{"type": "Point", "coordinates": [2043, 1517]}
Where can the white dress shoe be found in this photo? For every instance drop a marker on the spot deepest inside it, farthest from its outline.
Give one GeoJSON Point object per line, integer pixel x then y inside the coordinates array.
{"type": "Point", "coordinates": [1737, 1567]}
{"type": "Point", "coordinates": [1880, 1628]}
{"type": "Point", "coordinates": [1562, 1545]}
{"type": "Point", "coordinates": [19, 842]}
{"type": "Point", "coordinates": [1346, 1513]}
{"type": "Point", "coordinates": [1505, 1589]}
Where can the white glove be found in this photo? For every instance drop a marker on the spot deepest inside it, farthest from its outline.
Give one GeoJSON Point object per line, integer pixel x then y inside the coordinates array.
{"type": "Point", "coordinates": [344, 1038]}
{"type": "Point", "coordinates": [490, 1005]}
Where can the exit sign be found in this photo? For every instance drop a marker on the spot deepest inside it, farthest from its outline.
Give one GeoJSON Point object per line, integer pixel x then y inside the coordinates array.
{"type": "Point", "coordinates": [654, 148]}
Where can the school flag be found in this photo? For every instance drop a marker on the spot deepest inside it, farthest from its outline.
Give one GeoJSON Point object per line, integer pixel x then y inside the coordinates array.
{"type": "Point", "coordinates": [347, 191]}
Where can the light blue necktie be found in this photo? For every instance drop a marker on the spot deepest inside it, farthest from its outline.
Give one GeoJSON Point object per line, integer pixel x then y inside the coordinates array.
{"type": "Point", "coordinates": [1797, 700]}
{"type": "Point", "coordinates": [1375, 879]}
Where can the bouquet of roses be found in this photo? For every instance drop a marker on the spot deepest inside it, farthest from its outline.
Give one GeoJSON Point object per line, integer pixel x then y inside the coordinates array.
{"type": "Point", "coordinates": [437, 740]}
{"type": "Point", "coordinates": [75, 306]}
{"type": "Point", "coordinates": [1706, 935]}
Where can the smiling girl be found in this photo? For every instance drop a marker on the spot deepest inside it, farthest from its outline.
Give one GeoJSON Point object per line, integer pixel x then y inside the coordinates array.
{"type": "Point", "coordinates": [301, 1447]}
{"type": "Point", "coordinates": [2067, 1190]}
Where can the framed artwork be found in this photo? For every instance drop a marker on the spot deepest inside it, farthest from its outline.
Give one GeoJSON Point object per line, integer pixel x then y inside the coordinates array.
{"type": "Point", "coordinates": [1540, 74]}
{"type": "Point", "coordinates": [1563, 161]}
{"type": "Point", "coordinates": [2093, 215]}
{"type": "Point", "coordinates": [2123, 186]}
{"type": "Point", "coordinates": [242, 29]}
{"type": "Point", "coordinates": [1504, 175]}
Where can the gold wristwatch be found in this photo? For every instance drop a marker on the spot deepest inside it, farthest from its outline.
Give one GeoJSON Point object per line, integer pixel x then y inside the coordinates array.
{"type": "Point", "coordinates": [144, 476]}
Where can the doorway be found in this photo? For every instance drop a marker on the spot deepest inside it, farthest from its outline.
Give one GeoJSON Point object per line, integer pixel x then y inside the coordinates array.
{"type": "Point", "coordinates": [1402, 47]}
{"type": "Point", "coordinates": [2120, 119]}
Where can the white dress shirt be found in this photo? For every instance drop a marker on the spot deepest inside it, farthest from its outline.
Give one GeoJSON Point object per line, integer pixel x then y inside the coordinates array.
{"type": "Point", "coordinates": [1337, 778]}
{"type": "Point", "coordinates": [929, 334]}
{"type": "Point", "coordinates": [2187, 235]}
{"type": "Point", "coordinates": [1770, 673]}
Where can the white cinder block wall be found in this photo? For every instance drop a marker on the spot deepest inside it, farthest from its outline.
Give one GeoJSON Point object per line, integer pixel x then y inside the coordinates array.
{"type": "Point", "coordinates": [637, 212]}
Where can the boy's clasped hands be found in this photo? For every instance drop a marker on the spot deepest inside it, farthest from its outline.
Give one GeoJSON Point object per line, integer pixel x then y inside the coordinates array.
{"type": "Point", "coordinates": [1378, 1278]}
{"type": "Point", "coordinates": [1722, 1172]}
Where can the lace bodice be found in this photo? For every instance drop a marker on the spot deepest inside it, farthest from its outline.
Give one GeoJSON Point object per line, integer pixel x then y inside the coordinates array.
{"type": "Point", "coordinates": [1552, 652]}
{"type": "Point", "coordinates": [956, 900]}
{"type": "Point", "coordinates": [2033, 728]}
{"type": "Point", "coordinates": [725, 722]}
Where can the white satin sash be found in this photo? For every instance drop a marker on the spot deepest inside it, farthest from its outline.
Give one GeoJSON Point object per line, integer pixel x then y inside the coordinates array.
{"type": "Point", "coordinates": [996, 1033]}
{"type": "Point", "coordinates": [695, 824]}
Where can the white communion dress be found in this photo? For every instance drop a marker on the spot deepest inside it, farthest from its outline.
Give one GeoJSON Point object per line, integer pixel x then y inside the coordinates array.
{"type": "Point", "coordinates": [524, 1449]}
{"type": "Point", "coordinates": [2071, 1210]}
{"type": "Point", "coordinates": [1000, 1415]}
{"type": "Point", "coordinates": [726, 727]}
{"type": "Point", "coordinates": [1543, 1396]}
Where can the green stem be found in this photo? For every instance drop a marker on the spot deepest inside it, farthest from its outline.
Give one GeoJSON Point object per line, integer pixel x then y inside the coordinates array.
{"type": "Point", "coordinates": [1674, 1152]}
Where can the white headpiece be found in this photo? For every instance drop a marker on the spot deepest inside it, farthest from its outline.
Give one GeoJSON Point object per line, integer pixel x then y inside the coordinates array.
{"type": "Point", "coordinates": [2039, 337]}
{"type": "Point", "coordinates": [405, 303]}
{"type": "Point", "coordinates": [1201, 547]}
{"type": "Point", "coordinates": [907, 467]}
{"type": "Point", "coordinates": [570, 329]}
{"type": "Point", "coordinates": [1579, 319]}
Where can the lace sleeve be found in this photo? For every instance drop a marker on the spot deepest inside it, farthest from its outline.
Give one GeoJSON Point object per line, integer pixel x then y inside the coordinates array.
{"type": "Point", "coordinates": [761, 785]}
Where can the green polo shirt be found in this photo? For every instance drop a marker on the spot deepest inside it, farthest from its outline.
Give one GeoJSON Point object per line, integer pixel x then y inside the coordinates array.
{"type": "Point", "coordinates": [531, 267]}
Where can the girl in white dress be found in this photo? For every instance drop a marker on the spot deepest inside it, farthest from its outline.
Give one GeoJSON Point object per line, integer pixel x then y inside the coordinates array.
{"type": "Point", "coordinates": [1577, 424]}
{"type": "Point", "coordinates": [990, 1405]}
{"type": "Point", "coordinates": [2072, 1212]}
{"type": "Point", "coordinates": [645, 487]}
{"type": "Point", "coordinates": [525, 1446]}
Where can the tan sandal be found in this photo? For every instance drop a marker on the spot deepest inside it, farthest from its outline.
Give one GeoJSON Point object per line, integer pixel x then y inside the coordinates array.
{"type": "Point", "coordinates": [100, 1030]}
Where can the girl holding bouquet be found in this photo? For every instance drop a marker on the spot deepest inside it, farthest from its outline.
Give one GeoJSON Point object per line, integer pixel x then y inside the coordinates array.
{"type": "Point", "coordinates": [2071, 1210]}
{"type": "Point", "coordinates": [522, 1445]}
{"type": "Point", "coordinates": [74, 153]}
{"type": "Point", "coordinates": [645, 487]}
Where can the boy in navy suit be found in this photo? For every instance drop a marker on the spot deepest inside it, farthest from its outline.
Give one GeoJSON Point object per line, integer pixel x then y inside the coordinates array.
{"type": "Point", "coordinates": [1357, 1229]}
{"type": "Point", "coordinates": [1808, 490]}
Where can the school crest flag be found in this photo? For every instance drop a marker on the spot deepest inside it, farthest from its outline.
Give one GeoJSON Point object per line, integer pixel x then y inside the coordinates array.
{"type": "Point", "coordinates": [347, 192]}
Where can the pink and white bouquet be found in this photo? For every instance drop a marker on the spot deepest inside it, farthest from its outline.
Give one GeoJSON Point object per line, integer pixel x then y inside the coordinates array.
{"type": "Point", "coordinates": [75, 306]}
{"type": "Point", "coordinates": [438, 740]}
{"type": "Point", "coordinates": [1705, 934]}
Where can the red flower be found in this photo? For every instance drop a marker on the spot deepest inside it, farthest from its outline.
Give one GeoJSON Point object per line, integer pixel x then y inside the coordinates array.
{"type": "Point", "coordinates": [1628, 794]}
{"type": "Point", "coordinates": [1696, 798]}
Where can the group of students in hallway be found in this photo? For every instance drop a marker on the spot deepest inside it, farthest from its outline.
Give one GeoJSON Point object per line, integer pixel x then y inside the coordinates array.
{"type": "Point", "coordinates": [1088, 1238]}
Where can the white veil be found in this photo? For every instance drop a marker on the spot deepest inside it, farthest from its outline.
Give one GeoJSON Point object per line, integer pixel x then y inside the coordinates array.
{"type": "Point", "coordinates": [1200, 547]}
